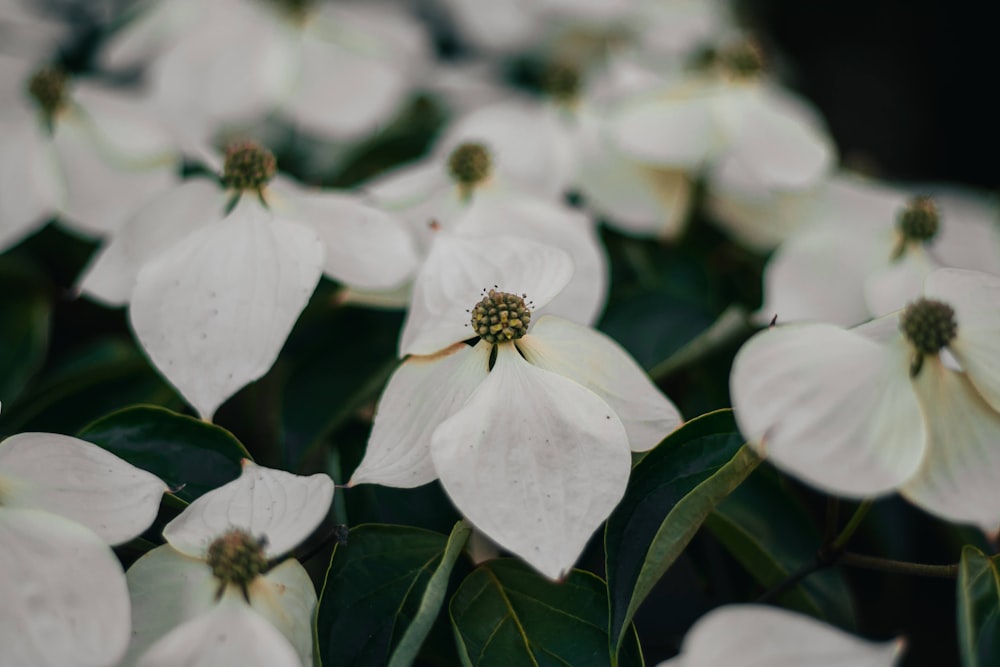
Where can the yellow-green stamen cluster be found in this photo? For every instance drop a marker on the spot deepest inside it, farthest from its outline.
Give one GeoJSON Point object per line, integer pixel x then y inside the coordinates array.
{"type": "Point", "coordinates": [48, 89]}
{"type": "Point", "coordinates": [248, 166]}
{"type": "Point", "coordinates": [919, 221]}
{"type": "Point", "coordinates": [562, 82]}
{"type": "Point", "coordinates": [237, 558]}
{"type": "Point", "coordinates": [501, 317]}
{"type": "Point", "coordinates": [470, 164]}
{"type": "Point", "coordinates": [929, 325]}
{"type": "Point", "coordinates": [742, 61]}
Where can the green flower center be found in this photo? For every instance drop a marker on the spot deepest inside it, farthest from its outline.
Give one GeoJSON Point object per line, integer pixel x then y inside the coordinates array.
{"type": "Point", "coordinates": [562, 82]}
{"type": "Point", "coordinates": [501, 317]}
{"type": "Point", "coordinates": [237, 558]}
{"type": "Point", "coordinates": [929, 325]}
{"type": "Point", "coordinates": [248, 166]}
{"type": "Point", "coordinates": [470, 164]}
{"type": "Point", "coordinates": [48, 89]}
{"type": "Point", "coordinates": [919, 221]}
{"type": "Point", "coordinates": [744, 60]}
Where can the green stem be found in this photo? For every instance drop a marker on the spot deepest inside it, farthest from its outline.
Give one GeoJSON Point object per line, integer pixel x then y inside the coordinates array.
{"type": "Point", "coordinates": [852, 526]}
{"type": "Point", "coordinates": [898, 566]}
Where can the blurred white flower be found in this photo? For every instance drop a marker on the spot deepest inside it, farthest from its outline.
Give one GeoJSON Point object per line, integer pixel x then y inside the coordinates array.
{"type": "Point", "coordinates": [752, 635]}
{"type": "Point", "coordinates": [213, 293]}
{"type": "Point", "coordinates": [529, 429]}
{"type": "Point", "coordinates": [215, 593]}
{"type": "Point", "coordinates": [63, 501]}
{"type": "Point", "coordinates": [907, 402]}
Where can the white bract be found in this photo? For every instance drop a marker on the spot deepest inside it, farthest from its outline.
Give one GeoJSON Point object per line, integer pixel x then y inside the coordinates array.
{"type": "Point", "coordinates": [906, 402]}
{"type": "Point", "coordinates": [754, 635]}
{"type": "Point", "coordinates": [73, 150]}
{"type": "Point", "coordinates": [213, 594]}
{"type": "Point", "coordinates": [63, 501]}
{"type": "Point", "coordinates": [213, 294]}
{"type": "Point", "coordinates": [530, 429]}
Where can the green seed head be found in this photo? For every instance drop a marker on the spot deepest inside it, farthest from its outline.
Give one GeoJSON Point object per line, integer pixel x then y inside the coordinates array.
{"type": "Point", "coordinates": [48, 89]}
{"type": "Point", "coordinates": [929, 325]}
{"type": "Point", "coordinates": [237, 558]}
{"type": "Point", "coordinates": [501, 317]}
{"type": "Point", "coordinates": [919, 221]}
{"type": "Point", "coordinates": [470, 164]}
{"type": "Point", "coordinates": [562, 82]}
{"type": "Point", "coordinates": [248, 166]}
{"type": "Point", "coordinates": [744, 60]}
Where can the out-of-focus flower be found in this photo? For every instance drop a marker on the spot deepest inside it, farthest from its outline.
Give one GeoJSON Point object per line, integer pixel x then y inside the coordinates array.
{"type": "Point", "coordinates": [215, 594]}
{"type": "Point", "coordinates": [26, 33]}
{"type": "Point", "coordinates": [529, 429]}
{"type": "Point", "coordinates": [906, 402]}
{"type": "Point", "coordinates": [63, 501]}
{"type": "Point", "coordinates": [73, 150]}
{"type": "Point", "coordinates": [214, 291]}
{"type": "Point", "coordinates": [758, 636]}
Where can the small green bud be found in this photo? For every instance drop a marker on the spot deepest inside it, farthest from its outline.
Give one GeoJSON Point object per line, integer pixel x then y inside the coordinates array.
{"type": "Point", "coordinates": [248, 166]}
{"type": "Point", "coordinates": [470, 164]}
{"type": "Point", "coordinates": [919, 221]}
{"type": "Point", "coordinates": [929, 325]}
{"type": "Point", "coordinates": [48, 89]}
{"type": "Point", "coordinates": [237, 558]}
{"type": "Point", "coordinates": [562, 82]}
{"type": "Point", "coordinates": [501, 317]}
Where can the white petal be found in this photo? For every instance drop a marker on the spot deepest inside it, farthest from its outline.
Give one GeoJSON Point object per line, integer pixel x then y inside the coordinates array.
{"type": "Point", "coordinates": [285, 596]}
{"type": "Point", "coordinates": [893, 286]}
{"type": "Point", "coordinates": [31, 186]}
{"type": "Point", "coordinates": [958, 477]}
{"type": "Point", "coordinates": [593, 360]}
{"type": "Point", "coordinates": [167, 589]}
{"type": "Point", "coordinates": [759, 636]}
{"type": "Point", "coordinates": [80, 481]}
{"type": "Point", "coordinates": [535, 461]}
{"type": "Point", "coordinates": [422, 393]}
{"type": "Point", "coordinates": [967, 237]}
{"type": "Point", "coordinates": [975, 297]}
{"type": "Point", "coordinates": [278, 505]}
{"type": "Point", "coordinates": [213, 311]}
{"type": "Point", "coordinates": [366, 248]}
{"type": "Point", "coordinates": [454, 275]}
{"type": "Point", "coordinates": [65, 603]}
{"type": "Point", "coordinates": [123, 129]}
{"type": "Point", "coordinates": [230, 634]}
{"type": "Point", "coordinates": [830, 406]}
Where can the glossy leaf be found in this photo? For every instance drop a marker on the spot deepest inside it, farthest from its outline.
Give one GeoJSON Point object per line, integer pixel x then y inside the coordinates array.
{"type": "Point", "coordinates": [505, 613]}
{"type": "Point", "coordinates": [671, 492]}
{"type": "Point", "coordinates": [383, 591]}
{"type": "Point", "coordinates": [766, 529]}
{"type": "Point", "coordinates": [188, 454]}
{"type": "Point", "coordinates": [978, 609]}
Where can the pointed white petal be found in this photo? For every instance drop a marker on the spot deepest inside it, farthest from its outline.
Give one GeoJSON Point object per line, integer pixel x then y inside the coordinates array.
{"type": "Point", "coordinates": [80, 481]}
{"type": "Point", "coordinates": [167, 589]}
{"type": "Point", "coordinates": [975, 297]}
{"type": "Point", "coordinates": [957, 479]}
{"type": "Point", "coordinates": [422, 393]}
{"type": "Point", "coordinates": [230, 634]}
{"type": "Point", "coordinates": [31, 186]}
{"type": "Point", "coordinates": [213, 311]}
{"type": "Point", "coordinates": [65, 603]}
{"type": "Point", "coordinates": [830, 406]}
{"type": "Point", "coordinates": [759, 636]}
{"type": "Point", "coordinates": [967, 237]}
{"type": "Point", "coordinates": [454, 275]}
{"type": "Point", "coordinates": [593, 360]}
{"type": "Point", "coordinates": [366, 248]}
{"type": "Point", "coordinates": [893, 286]}
{"type": "Point", "coordinates": [535, 461]}
{"type": "Point", "coordinates": [121, 128]}
{"type": "Point", "coordinates": [278, 505]}
{"type": "Point", "coordinates": [285, 596]}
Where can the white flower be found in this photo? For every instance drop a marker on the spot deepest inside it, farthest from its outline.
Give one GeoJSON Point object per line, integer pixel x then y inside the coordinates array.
{"type": "Point", "coordinates": [534, 445]}
{"type": "Point", "coordinates": [216, 577]}
{"type": "Point", "coordinates": [63, 501]}
{"type": "Point", "coordinates": [213, 295]}
{"type": "Point", "coordinates": [906, 402]}
{"type": "Point", "coordinates": [753, 635]}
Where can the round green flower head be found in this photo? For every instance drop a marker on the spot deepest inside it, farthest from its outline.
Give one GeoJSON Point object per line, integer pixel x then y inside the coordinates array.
{"type": "Point", "coordinates": [501, 317]}
{"type": "Point", "coordinates": [929, 325]}
{"type": "Point", "coordinates": [295, 8]}
{"type": "Point", "coordinates": [744, 60]}
{"type": "Point", "coordinates": [248, 166]}
{"type": "Point", "coordinates": [237, 558]}
{"type": "Point", "coordinates": [48, 89]}
{"type": "Point", "coordinates": [562, 82]}
{"type": "Point", "coordinates": [919, 221]}
{"type": "Point", "coordinates": [470, 164]}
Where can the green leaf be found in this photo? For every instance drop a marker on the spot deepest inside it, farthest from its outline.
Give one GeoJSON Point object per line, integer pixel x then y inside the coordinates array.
{"type": "Point", "coordinates": [186, 453]}
{"type": "Point", "coordinates": [383, 591]}
{"type": "Point", "coordinates": [505, 613]}
{"type": "Point", "coordinates": [25, 311]}
{"type": "Point", "coordinates": [768, 531]}
{"type": "Point", "coordinates": [978, 609]}
{"type": "Point", "coordinates": [671, 492]}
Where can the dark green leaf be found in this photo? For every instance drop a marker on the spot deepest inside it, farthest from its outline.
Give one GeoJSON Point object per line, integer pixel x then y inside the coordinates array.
{"type": "Point", "coordinates": [671, 492]}
{"type": "Point", "coordinates": [505, 613]}
{"type": "Point", "coordinates": [769, 532]}
{"type": "Point", "coordinates": [25, 312]}
{"type": "Point", "coordinates": [978, 609]}
{"type": "Point", "coordinates": [186, 453]}
{"type": "Point", "coordinates": [383, 592]}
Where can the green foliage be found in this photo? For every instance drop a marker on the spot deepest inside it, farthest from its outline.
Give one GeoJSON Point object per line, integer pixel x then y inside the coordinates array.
{"type": "Point", "coordinates": [25, 312]}
{"type": "Point", "coordinates": [978, 609]}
